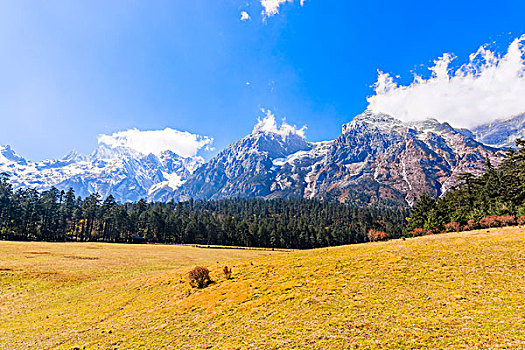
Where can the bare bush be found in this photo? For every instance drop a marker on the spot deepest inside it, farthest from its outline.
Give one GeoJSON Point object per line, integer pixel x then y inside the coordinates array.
{"type": "Point", "coordinates": [507, 220]}
{"type": "Point", "coordinates": [432, 231]}
{"type": "Point", "coordinates": [489, 221]}
{"type": "Point", "coordinates": [199, 277]}
{"type": "Point", "coordinates": [227, 272]}
{"type": "Point", "coordinates": [497, 221]}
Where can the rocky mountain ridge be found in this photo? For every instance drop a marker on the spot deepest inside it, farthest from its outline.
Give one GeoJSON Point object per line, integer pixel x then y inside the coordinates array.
{"type": "Point", "coordinates": [377, 158]}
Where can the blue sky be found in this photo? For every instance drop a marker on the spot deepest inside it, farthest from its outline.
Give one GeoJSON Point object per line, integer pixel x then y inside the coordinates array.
{"type": "Point", "coordinates": [73, 70]}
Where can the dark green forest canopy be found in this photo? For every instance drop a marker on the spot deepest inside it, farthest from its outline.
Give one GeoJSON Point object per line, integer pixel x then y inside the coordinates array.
{"type": "Point", "coordinates": [497, 195]}
{"type": "Point", "coordinates": [54, 215]}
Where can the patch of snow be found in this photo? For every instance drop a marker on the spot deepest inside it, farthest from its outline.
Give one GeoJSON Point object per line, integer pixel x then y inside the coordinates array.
{"type": "Point", "coordinates": [174, 180]}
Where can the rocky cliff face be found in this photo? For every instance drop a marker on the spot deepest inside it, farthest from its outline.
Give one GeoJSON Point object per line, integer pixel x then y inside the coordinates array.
{"type": "Point", "coordinates": [398, 160]}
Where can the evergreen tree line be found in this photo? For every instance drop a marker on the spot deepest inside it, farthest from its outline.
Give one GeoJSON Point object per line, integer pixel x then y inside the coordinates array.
{"type": "Point", "coordinates": [54, 215]}
{"type": "Point", "coordinates": [496, 198]}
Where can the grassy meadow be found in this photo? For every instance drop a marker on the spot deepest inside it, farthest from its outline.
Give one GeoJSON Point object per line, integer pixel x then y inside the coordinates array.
{"type": "Point", "coordinates": [461, 290]}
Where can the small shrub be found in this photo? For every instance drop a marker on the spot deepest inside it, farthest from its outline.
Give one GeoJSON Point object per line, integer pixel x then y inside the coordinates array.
{"type": "Point", "coordinates": [199, 277]}
{"type": "Point", "coordinates": [507, 220]}
{"type": "Point", "coordinates": [521, 220]}
{"type": "Point", "coordinates": [489, 221]}
{"type": "Point", "coordinates": [431, 231]}
{"type": "Point", "coordinates": [382, 235]}
{"type": "Point", "coordinates": [471, 225]}
{"type": "Point", "coordinates": [227, 272]}
{"type": "Point", "coordinates": [453, 227]}
{"type": "Point", "coordinates": [376, 235]}
{"type": "Point", "coordinates": [418, 232]}
{"type": "Point", "coordinates": [497, 221]}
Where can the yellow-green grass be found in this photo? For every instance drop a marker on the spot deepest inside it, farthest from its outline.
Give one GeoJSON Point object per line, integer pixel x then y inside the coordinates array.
{"type": "Point", "coordinates": [464, 290]}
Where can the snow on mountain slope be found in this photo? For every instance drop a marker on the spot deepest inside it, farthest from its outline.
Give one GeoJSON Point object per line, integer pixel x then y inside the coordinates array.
{"type": "Point", "coordinates": [376, 158]}
{"type": "Point", "coordinates": [402, 158]}
{"type": "Point", "coordinates": [501, 133]}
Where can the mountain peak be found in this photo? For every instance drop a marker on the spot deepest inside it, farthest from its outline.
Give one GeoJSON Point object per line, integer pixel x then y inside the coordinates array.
{"type": "Point", "coordinates": [378, 157]}
{"type": "Point", "coordinates": [74, 156]}
{"type": "Point", "coordinates": [387, 123]}
{"type": "Point", "coordinates": [432, 125]}
{"type": "Point", "coordinates": [268, 125]}
{"type": "Point", "coordinates": [372, 119]}
{"type": "Point", "coordinates": [123, 172]}
{"type": "Point", "coordinates": [8, 153]}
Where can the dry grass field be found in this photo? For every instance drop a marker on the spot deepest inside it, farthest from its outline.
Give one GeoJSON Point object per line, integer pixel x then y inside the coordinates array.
{"type": "Point", "coordinates": [464, 290]}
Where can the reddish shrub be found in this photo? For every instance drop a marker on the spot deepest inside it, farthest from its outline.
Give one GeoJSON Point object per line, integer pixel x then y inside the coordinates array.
{"type": "Point", "coordinates": [418, 232]}
{"type": "Point", "coordinates": [376, 235]}
{"type": "Point", "coordinates": [490, 221]}
{"type": "Point", "coordinates": [497, 221]}
{"type": "Point", "coordinates": [453, 227]}
{"type": "Point", "coordinates": [521, 220]}
{"type": "Point", "coordinates": [199, 277]}
{"type": "Point", "coordinates": [471, 225]}
{"type": "Point", "coordinates": [433, 231]}
{"type": "Point", "coordinates": [507, 220]}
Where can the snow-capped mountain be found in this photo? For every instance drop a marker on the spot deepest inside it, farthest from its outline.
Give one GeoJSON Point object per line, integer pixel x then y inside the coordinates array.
{"type": "Point", "coordinates": [246, 167]}
{"type": "Point", "coordinates": [123, 172]}
{"type": "Point", "coordinates": [375, 158]}
{"type": "Point", "coordinates": [379, 157]}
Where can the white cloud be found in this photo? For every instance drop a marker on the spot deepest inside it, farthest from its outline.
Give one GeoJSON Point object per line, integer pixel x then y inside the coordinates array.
{"type": "Point", "coordinates": [245, 16]}
{"type": "Point", "coordinates": [488, 87]}
{"type": "Point", "coordinates": [269, 125]}
{"type": "Point", "coordinates": [271, 7]}
{"type": "Point", "coordinates": [183, 143]}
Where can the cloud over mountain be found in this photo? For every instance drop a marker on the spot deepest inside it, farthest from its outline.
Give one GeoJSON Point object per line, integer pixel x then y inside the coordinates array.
{"type": "Point", "coordinates": [269, 125]}
{"type": "Point", "coordinates": [183, 143]}
{"type": "Point", "coordinates": [488, 87]}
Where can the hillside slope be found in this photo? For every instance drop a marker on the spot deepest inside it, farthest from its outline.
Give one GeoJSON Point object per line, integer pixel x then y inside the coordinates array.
{"type": "Point", "coordinates": [461, 290]}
